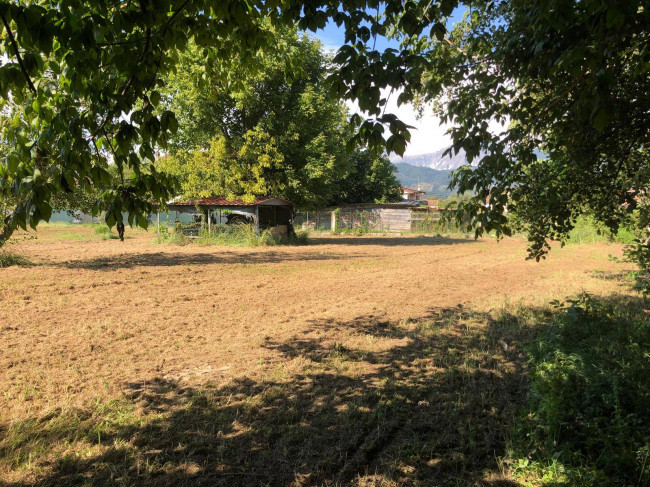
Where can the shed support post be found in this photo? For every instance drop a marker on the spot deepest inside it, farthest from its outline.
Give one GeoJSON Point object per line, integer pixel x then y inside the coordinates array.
{"type": "Point", "coordinates": [209, 221]}
{"type": "Point", "coordinates": [334, 221]}
{"type": "Point", "coordinates": [158, 222]}
{"type": "Point", "coordinates": [257, 219]}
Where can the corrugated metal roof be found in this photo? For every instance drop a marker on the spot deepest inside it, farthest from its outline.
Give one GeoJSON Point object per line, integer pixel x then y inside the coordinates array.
{"type": "Point", "coordinates": [222, 201]}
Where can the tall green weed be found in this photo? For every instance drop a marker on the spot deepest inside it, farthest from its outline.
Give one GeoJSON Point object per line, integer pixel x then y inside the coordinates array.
{"type": "Point", "coordinates": [242, 235]}
{"type": "Point", "coordinates": [588, 416]}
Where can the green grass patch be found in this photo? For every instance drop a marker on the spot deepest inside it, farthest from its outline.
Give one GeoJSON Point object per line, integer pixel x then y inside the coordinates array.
{"type": "Point", "coordinates": [68, 437]}
{"type": "Point", "coordinates": [8, 259]}
{"type": "Point", "coordinates": [587, 230]}
{"type": "Point", "coordinates": [588, 417]}
{"type": "Point", "coordinates": [104, 232]}
{"type": "Point", "coordinates": [237, 235]}
{"type": "Point", "coordinates": [357, 231]}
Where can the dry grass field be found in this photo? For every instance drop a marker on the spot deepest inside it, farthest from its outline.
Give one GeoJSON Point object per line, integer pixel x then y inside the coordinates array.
{"type": "Point", "coordinates": [351, 360]}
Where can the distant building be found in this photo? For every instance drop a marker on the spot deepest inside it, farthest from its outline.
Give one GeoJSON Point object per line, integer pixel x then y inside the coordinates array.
{"type": "Point", "coordinates": [412, 194]}
{"type": "Point", "coordinates": [433, 203]}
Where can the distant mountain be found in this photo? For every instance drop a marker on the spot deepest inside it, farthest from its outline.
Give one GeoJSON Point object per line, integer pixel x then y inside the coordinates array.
{"type": "Point", "coordinates": [436, 160]}
{"type": "Point", "coordinates": [433, 181]}
{"type": "Point", "coordinates": [433, 160]}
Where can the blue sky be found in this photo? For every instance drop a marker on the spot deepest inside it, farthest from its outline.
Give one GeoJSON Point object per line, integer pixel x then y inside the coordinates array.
{"type": "Point", "coordinates": [429, 134]}
{"type": "Point", "coordinates": [333, 36]}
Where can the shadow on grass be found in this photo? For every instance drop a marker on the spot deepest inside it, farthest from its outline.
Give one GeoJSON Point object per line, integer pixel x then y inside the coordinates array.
{"type": "Point", "coordinates": [171, 259]}
{"type": "Point", "coordinates": [614, 276]}
{"type": "Point", "coordinates": [431, 401]}
{"type": "Point", "coordinates": [407, 241]}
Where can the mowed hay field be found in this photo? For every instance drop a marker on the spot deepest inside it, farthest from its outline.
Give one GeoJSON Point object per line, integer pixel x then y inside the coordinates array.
{"type": "Point", "coordinates": [349, 361]}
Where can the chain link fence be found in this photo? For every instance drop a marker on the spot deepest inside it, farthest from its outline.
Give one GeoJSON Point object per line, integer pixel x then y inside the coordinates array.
{"type": "Point", "coordinates": [371, 220]}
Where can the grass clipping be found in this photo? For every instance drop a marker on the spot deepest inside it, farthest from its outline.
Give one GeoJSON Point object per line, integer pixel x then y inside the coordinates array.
{"type": "Point", "coordinates": [8, 259]}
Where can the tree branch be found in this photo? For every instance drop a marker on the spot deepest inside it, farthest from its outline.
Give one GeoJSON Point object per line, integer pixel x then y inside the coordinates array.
{"type": "Point", "coordinates": [566, 92]}
{"type": "Point", "coordinates": [171, 19]}
{"type": "Point", "coordinates": [118, 163]}
{"type": "Point", "coordinates": [149, 36]}
{"type": "Point", "coordinates": [155, 74]}
{"type": "Point", "coordinates": [14, 44]}
{"type": "Point", "coordinates": [144, 51]}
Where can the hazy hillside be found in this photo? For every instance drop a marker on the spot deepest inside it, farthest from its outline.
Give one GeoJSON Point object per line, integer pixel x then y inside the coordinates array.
{"type": "Point", "coordinates": [432, 181]}
{"type": "Point", "coordinates": [433, 160]}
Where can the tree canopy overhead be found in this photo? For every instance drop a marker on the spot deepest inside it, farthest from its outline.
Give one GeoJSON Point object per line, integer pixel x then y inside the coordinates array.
{"type": "Point", "coordinates": [569, 82]}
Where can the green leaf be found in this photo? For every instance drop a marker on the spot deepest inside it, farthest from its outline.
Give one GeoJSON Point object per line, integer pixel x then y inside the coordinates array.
{"type": "Point", "coordinates": [601, 119]}
{"type": "Point", "coordinates": [13, 160]}
{"type": "Point", "coordinates": [45, 210]}
{"type": "Point", "coordinates": [154, 98]}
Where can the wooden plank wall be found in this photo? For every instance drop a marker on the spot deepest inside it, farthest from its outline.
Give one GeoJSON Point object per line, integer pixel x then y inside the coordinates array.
{"type": "Point", "coordinates": [395, 220]}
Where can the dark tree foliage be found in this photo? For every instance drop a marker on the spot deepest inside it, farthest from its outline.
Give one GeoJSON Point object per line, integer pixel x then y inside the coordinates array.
{"type": "Point", "coordinates": [84, 77]}
{"type": "Point", "coordinates": [372, 179]}
{"type": "Point", "coordinates": [567, 79]}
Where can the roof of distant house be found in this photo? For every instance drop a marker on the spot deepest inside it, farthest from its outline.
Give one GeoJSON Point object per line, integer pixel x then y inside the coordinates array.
{"type": "Point", "coordinates": [410, 190]}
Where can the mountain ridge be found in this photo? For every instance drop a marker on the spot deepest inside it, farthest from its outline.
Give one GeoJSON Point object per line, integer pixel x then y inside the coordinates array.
{"type": "Point", "coordinates": [433, 160]}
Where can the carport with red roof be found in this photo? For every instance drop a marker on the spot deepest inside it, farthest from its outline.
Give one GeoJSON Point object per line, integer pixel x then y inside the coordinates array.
{"type": "Point", "coordinates": [264, 212]}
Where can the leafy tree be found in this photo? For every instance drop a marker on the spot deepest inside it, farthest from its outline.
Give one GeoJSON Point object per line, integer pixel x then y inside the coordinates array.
{"type": "Point", "coordinates": [87, 197]}
{"type": "Point", "coordinates": [569, 79]}
{"type": "Point", "coordinates": [230, 100]}
{"type": "Point", "coordinates": [6, 199]}
{"type": "Point", "coordinates": [85, 77]}
{"type": "Point", "coordinates": [371, 179]}
{"type": "Point", "coordinates": [296, 119]}
{"type": "Point", "coordinates": [231, 167]}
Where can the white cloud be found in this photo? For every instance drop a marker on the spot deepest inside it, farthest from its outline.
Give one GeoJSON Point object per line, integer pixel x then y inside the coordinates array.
{"type": "Point", "coordinates": [428, 134]}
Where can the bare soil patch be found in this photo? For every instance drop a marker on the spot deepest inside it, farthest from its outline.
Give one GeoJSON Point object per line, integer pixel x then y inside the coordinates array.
{"type": "Point", "coordinates": [357, 360]}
